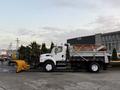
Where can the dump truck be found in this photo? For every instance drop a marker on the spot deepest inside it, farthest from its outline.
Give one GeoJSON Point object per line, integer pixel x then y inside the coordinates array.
{"type": "Point", "coordinates": [93, 60]}
{"type": "Point", "coordinates": [90, 57]}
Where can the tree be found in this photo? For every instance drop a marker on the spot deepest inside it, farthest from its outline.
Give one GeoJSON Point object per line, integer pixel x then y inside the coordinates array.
{"type": "Point", "coordinates": [35, 53]}
{"type": "Point", "coordinates": [44, 49]}
{"type": "Point", "coordinates": [114, 54]}
{"type": "Point", "coordinates": [21, 52]}
{"type": "Point", "coordinates": [51, 46]}
{"type": "Point", "coordinates": [28, 54]}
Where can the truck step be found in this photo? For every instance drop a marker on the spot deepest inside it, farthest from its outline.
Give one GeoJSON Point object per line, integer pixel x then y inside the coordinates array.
{"type": "Point", "coordinates": [61, 68]}
{"type": "Point", "coordinates": [61, 64]}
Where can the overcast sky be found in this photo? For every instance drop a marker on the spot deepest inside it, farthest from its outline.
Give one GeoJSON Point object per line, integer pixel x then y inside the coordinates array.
{"type": "Point", "coordinates": [55, 20]}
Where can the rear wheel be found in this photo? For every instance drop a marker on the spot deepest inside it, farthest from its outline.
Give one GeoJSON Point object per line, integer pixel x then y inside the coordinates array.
{"type": "Point", "coordinates": [49, 66]}
{"type": "Point", "coordinates": [94, 67]}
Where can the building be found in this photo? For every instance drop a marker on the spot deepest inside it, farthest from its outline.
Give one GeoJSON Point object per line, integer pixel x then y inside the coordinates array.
{"type": "Point", "coordinates": [3, 54]}
{"type": "Point", "coordinates": [82, 40]}
{"type": "Point", "coordinates": [110, 40]}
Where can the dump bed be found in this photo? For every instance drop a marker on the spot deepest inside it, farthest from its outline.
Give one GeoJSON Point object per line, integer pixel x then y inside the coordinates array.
{"type": "Point", "coordinates": [87, 50]}
{"type": "Point", "coordinates": [89, 53]}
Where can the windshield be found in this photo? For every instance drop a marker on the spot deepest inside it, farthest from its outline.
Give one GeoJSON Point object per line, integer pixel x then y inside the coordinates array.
{"type": "Point", "coordinates": [57, 49]}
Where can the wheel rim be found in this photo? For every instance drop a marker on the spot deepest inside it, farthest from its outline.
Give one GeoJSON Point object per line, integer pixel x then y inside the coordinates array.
{"type": "Point", "coordinates": [48, 67]}
{"type": "Point", "coordinates": [94, 67]}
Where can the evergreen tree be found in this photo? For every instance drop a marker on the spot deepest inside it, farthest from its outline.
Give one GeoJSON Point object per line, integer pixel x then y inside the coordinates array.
{"type": "Point", "coordinates": [114, 54]}
{"type": "Point", "coordinates": [28, 54]}
{"type": "Point", "coordinates": [35, 53]}
{"type": "Point", "coordinates": [21, 52]}
{"type": "Point", "coordinates": [44, 49]}
{"type": "Point", "coordinates": [51, 46]}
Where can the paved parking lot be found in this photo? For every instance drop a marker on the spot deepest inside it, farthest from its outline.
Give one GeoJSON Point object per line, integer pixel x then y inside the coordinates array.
{"type": "Point", "coordinates": [105, 80]}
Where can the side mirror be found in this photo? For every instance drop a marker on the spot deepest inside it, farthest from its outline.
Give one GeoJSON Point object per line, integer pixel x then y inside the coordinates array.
{"type": "Point", "coordinates": [66, 44]}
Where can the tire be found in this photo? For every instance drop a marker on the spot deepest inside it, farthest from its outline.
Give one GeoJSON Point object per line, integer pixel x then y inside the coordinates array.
{"type": "Point", "coordinates": [49, 66]}
{"type": "Point", "coordinates": [94, 67]}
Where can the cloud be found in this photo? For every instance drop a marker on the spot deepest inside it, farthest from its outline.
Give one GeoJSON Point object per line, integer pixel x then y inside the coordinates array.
{"type": "Point", "coordinates": [54, 29]}
{"type": "Point", "coordinates": [103, 13]}
{"type": "Point", "coordinates": [24, 31]}
{"type": "Point", "coordinates": [109, 7]}
{"type": "Point", "coordinates": [112, 3]}
{"type": "Point", "coordinates": [50, 34]}
{"type": "Point", "coordinates": [102, 24]}
{"type": "Point", "coordinates": [51, 28]}
{"type": "Point", "coordinates": [65, 3]}
{"type": "Point", "coordinates": [107, 24]}
{"type": "Point", "coordinates": [57, 35]}
{"type": "Point", "coordinates": [6, 37]}
{"type": "Point", "coordinates": [45, 34]}
{"type": "Point", "coordinates": [84, 4]}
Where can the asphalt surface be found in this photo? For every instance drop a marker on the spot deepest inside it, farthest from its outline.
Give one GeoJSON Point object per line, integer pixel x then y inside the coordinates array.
{"type": "Point", "coordinates": [82, 80]}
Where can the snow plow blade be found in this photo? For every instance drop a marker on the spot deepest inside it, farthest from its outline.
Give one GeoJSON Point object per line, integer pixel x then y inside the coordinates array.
{"type": "Point", "coordinates": [21, 65]}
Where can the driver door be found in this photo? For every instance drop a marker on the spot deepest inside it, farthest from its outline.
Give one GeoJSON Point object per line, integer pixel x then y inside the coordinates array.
{"type": "Point", "coordinates": [59, 54]}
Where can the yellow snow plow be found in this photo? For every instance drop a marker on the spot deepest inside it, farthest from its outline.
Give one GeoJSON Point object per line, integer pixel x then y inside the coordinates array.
{"type": "Point", "coordinates": [21, 65]}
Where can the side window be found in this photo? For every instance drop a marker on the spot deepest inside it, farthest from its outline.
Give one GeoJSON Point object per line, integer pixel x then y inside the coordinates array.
{"type": "Point", "coordinates": [58, 49]}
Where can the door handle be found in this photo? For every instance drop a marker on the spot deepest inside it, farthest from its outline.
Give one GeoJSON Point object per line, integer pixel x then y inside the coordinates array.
{"type": "Point", "coordinates": [62, 56]}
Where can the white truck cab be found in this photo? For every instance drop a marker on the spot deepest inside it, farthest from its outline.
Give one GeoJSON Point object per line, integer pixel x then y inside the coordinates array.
{"type": "Point", "coordinates": [49, 60]}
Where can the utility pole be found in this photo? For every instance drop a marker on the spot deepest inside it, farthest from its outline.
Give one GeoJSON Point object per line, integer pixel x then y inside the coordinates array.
{"type": "Point", "coordinates": [9, 51]}
{"type": "Point", "coordinates": [17, 46]}
{"type": "Point", "coordinates": [10, 46]}
{"type": "Point", "coordinates": [17, 43]}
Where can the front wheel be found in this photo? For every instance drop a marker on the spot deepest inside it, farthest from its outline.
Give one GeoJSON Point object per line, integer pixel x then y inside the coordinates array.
{"type": "Point", "coordinates": [49, 66]}
{"type": "Point", "coordinates": [94, 67]}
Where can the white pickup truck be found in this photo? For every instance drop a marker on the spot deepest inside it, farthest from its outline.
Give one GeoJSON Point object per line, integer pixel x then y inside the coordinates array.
{"type": "Point", "coordinates": [64, 55]}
